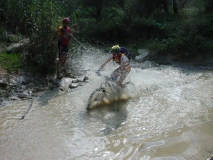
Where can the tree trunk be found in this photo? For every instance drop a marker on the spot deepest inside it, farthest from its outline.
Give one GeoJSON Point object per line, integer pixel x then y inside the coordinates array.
{"type": "Point", "coordinates": [165, 6]}
{"type": "Point", "coordinates": [175, 7]}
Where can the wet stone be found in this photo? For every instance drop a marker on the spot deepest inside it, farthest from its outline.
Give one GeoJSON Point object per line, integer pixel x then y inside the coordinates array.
{"type": "Point", "coordinates": [73, 85]}
{"type": "Point", "coordinates": [24, 86]}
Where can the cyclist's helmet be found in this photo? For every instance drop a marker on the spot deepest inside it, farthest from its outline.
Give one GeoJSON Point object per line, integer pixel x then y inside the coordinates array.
{"type": "Point", "coordinates": [66, 20]}
{"type": "Point", "coordinates": [115, 48]}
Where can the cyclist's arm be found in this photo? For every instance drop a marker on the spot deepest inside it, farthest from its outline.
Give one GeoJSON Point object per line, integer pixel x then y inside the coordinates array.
{"type": "Point", "coordinates": [109, 59]}
{"type": "Point", "coordinates": [123, 62]}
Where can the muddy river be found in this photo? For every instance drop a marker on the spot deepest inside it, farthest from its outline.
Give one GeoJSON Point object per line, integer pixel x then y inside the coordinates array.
{"type": "Point", "coordinates": [170, 118]}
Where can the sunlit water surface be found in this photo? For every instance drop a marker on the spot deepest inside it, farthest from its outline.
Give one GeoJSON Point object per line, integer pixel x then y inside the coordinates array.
{"type": "Point", "coordinates": [170, 118]}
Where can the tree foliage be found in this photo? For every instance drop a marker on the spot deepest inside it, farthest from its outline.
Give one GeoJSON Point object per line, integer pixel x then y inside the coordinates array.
{"type": "Point", "coordinates": [42, 49]}
{"type": "Point", "coordinates": [37, 20]}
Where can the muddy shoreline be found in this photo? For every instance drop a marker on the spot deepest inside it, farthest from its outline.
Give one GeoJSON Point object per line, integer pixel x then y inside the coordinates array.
{"type": "Point", "coordinates": [22, 86]}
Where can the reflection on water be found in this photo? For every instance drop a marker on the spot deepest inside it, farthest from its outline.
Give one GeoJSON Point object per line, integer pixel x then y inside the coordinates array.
{"type": "Point", "coordinates": [110, 116]}
{"type": "Point", "coordinates": [171, 117]}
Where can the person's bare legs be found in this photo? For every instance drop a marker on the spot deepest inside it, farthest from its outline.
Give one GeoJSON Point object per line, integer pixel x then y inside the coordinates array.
{"type": "Point", "coordinates": [61, 62]}
{"type": "Point", "coordinates": [123, 75]}
{"type": "Point", "coordinates": [115, 74]}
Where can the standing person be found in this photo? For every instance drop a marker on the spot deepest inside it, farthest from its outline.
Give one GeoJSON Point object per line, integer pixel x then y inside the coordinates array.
{"type": "Point", "coordinates": [121, 56]}
{"type": "Point", "coordinates": [64, 35]}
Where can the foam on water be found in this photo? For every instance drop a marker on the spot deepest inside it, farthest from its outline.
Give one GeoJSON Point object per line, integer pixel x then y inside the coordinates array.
{"type": "Point", "coordinates": [108, 93]}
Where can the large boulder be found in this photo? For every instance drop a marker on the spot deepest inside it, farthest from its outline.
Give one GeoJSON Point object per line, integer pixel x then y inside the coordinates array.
{"type": "Point", "coordinates": [144, 55]}
{"type": "Point", "coordinates": [17, 47]}
{"type": "Point", "coordinates": [148, 64]}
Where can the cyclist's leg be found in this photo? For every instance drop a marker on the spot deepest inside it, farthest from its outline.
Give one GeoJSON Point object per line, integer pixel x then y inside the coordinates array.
{"type": "Point", "coordinates": [60, 51]}
{"type": "Point", "coordinates": [64, 57]}
{"type": "Point", "coordinates": [115, 74]}
{"type": "Point", "coordinates": [123, 75]}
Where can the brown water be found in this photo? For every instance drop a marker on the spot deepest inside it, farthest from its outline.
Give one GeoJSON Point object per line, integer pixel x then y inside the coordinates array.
{"type": "Point", "coordinates": [171, 118]}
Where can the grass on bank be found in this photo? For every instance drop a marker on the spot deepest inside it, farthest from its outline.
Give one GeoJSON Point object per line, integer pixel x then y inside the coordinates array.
{"type": "Point", "coordinates": [10, 62]}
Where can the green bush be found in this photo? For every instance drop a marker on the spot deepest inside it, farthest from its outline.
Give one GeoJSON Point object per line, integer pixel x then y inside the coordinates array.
{"type": "Point", "coordinates": [3, 34]}
{"type": "Point", "coordinates": [38, 21]}
{"type": "Point", "coordinates": [11, 62]}
{"type": "Point", "coordinates": [42, 49]}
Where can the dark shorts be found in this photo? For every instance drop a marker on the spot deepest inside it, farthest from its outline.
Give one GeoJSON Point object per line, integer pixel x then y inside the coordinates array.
{"type": "Point", "coordinates": [62, 49]}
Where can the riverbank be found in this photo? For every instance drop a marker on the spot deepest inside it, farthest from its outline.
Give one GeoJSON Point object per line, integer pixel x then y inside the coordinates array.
{"type": "Point", "coordinates": [22, 86]}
